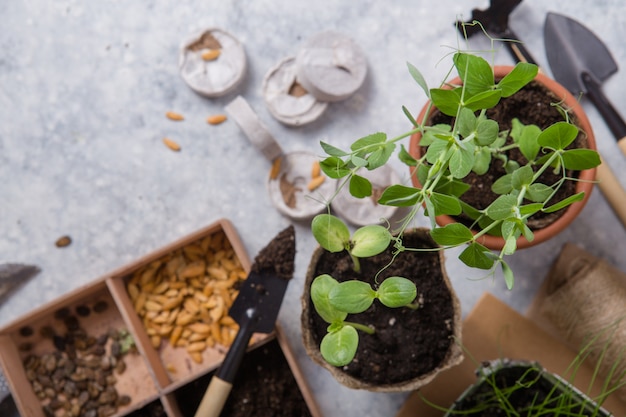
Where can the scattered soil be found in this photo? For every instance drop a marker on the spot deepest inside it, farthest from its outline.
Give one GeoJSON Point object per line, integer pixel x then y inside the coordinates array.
{"type": "Point", "coordinates": [264, 387]}
{"type": "Point", "coordinates": [531, 105]}
{"type": "Point", "coordinates": [278, 256]}
{"type": "Point", "coordinates": [407, 343]}
{"type": "Point", "coordinates": [525, 396]}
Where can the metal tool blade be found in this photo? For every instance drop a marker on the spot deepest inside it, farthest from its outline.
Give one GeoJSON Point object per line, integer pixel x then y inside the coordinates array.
{"type": "Point", "coordinates": [573, 50]}
{"type": "Point", "coordinates": [12, 275]}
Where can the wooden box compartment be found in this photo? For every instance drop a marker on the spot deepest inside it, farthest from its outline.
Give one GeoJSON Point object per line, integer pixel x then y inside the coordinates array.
{"type": "Point", "coordinates": [269, 382]}
{"type": "Point", "coordinates": [151, 373]}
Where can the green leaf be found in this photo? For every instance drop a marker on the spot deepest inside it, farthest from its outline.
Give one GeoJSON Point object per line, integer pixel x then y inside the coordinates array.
{"type": "Point", "coordinates": [476, 256]}
{"type": "Point", "coordinates": [482, 160]}
{"type": "Point", "coordinates": [579, 159]}
{"type": "Point", "coordinates": [470, 211]}
{"type": "Point", "coordinates": [437, 148]}
{"type": "Point", "coordinates": [484, 100]}
{"type": "Point", "coordinates": [357, 161]}
{"type": "Point", "coordinates": [406, 158]}
{"type": "Point", "coordinates": [487, 132]}
{"type": "Point", "coordinates": [502, 207]}
{"type": "Point", "coordinates": [430, 212]}
{"type": "Point", "coordinates": [338, 348]}
{"type": "Point", "coordinates": [331, 150]}
{"type": "Point", "coordinates": [447, 101]}
{"type": "Point", "coordinates": [565, 202]}
{"type": "Point", "coordinates": [558, 136]}
{"type": "Point", "coordinates": [400, 196]}
{"type": "Point", "coordinates": [466, 122]}
{"type": "Point", "coordinates": [452, 234]}
{"type": "Point", "coordinates": [510, 245]}
{"type": "Point", "coordinates": [526, 137]}
{"type": "Point", "coordinates": [330, 232]}
{"type": "Point", "coordinates": [476, 74]}
{"type": "Point", "coordinates": [409, 116]}
{"type": "Point", "coordinates": [370, 240]}
{"type": "Point", "coordinates": [538, 193]}
{"type": "Point", "coordinates": [320, 290]}
{"type": "Point", "coordinates": [444, 204]}
{"type": "Point", "coordinates": [522, 74]}
{"type": "Point", "coordinates": [360, 187]}
{"type": "Point", "coordinates": [380, 156]}
{"type": "Point", "coordinates": [430, 133]}
{"type": "Point", "coordinates": [373, 139]}
{"type": "Point", "coordinates": [334, 167]}
{"type": "Point", "coordinates": [417, 76]}
{"type": "Point", "coordinates": [461, 162]}
{"type": "Point", "coordinates": [452, 187]}
{"type": "Point", "coordinates": [530, 209]}
{"type": "Point", "coordinates": [352, 296]}
{"type": "Point", "coordinates": [522, 177]}
{"type": "Point", "coordinates": [509, 279]}
{"type": "Point", "coordinates": [396, 292]}
{"type": "Point", "coordinates": [503, 185]}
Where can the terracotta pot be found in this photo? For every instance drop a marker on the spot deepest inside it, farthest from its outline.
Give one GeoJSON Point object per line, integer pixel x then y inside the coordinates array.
{"type": "Point", "coordinates": [586, 176]}
{"type": "Point", "coordinates": [451, 355]}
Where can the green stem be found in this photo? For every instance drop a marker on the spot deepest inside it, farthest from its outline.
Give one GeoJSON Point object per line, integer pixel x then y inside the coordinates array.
{"type": "Point", "coordinates": [356, 262]}
{"type": "Point", "coordinates": [360, 326]}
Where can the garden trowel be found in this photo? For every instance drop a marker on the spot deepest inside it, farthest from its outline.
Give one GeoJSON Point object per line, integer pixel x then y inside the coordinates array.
{"type": "Point", "coordinates": [255, 310]}
{"type": "Point", "coordinates": [580, 61]}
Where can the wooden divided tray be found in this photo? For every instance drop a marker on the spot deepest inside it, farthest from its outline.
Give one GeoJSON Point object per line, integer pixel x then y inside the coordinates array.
{"type": "Point", "coordinates": [126, 343]}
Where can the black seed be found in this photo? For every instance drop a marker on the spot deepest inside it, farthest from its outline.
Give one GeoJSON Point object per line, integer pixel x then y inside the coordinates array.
{"type": "Point", "coordinates": [83, 310]}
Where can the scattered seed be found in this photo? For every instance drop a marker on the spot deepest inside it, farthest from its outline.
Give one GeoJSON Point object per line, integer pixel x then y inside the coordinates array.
{"type": "Point", "coordinates": [216, 119]}
{"type": "Point", "coordinates": [275, 168]}
{"type": "Point", "coordinates": [211, 54]}
{"type": "Point", "coordinates": [177, 117]}
{"type": "Point", "coordinates": [315, 170]}
{"type": "Point", "coordinates": [171, 144]}
{"type": "Point", "coordinates": [315, 182]}
{"type": "Point", "coordinates": [63, 241]}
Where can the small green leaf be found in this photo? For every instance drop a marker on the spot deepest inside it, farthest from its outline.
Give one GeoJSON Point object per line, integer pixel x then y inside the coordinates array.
{"type": "Point", "coordinates": [447, 101]}
{"type": "Point", "coordinates": [475, 73]}
{"type": "Point", "coordinates": [373, 139]}
{"type": "Point", "coordinates": [526, 137]}
{"type": "Point", "coordinates": [338, 348]}
{"type": "Point", "coordinates": [380, 156]}
{"type": "Point", "coordinates": [409, 116]}
{"type": "Point", "coordinates": [522, 177]}
{"type": "Point", "coordinates": [461, 162]}
{"type": "Point", "coordinates": [406, 158]}
{"type": "Point", "coordinates": [437, 148]}
{"type": "Point", "coordinates": [466, 122]}
{"type": "Point", "coordinates": [470, 211]}
{"type": "Point", "coordinates": [370, 240]}
{"type": "Point", "coordinates": [330, 232]}
{"type": "Point", "coordinates": [484, 100]}
{"type": "Point", "coordinates": [357, 161]}
{"type": "Point", "coordinates": [528, 234]}
{"type": "Point", "coordinates": [476, 256]}
{"type": "Point", "coordinates": [511, 166]}
{"type": "Point", "coordinates": [482, 160]}
{"type": "Point", "coordinates": [558, 136]}
{"type": "Point", "coordinates": [538, 193]}
{"type": "Point", "coordinates": [417, 76]}
{"type": "Point", "coordinates": [503, 185]}
{"type": "Point", "coordinates": [396, 292]}
{"type": "Point", "coordinates": [352, 296]}
{"type": "Point", "coordinates": [579, 159]}
{"type": "Point", "coordinates": [522, 74]}
{"type": "Point", "coordinates": [400, 196]}
{"type": "Point", "coordinates": [565, 202]}
{"type": "Point", "coordinates": [445, 204]}
{"type": "Point", "coordinates": [360, 187]}
{"type": "Point", "coordinates": [502, 207]}
{"type": "Point", "coordinates": [320, 290]}
{"type": "Point", "coordinates": [332, 150]}
{"type": "Point", "coordinates": [487, 132]}
{"type": "Point", "coordinates": [509, 279]}
{"type": "Point", "coordinates": [452, 234]}
{"type": "Point", "coordinates": [334, 167]}
{"type": "Point", "coordinates": [430, 212]}
{"type": "Point", "coordinates": [510, 245]}
{"type": "Point", "coordinates": [452, 187]}
{"type": "Point", "coordinates": [530, 209]}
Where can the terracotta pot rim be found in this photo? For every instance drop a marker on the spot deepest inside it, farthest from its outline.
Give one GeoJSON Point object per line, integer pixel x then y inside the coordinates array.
{"type": "Point", "coordinates": [453, 357]}
{"type": "Point", "coordinates": [586, 177]}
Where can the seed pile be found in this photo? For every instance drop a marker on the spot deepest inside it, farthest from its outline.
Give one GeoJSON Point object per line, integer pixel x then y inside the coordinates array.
{"type": "Point", "coordinates": [78, 378]}
{"type": "Point", "coordinates": [184, 297]}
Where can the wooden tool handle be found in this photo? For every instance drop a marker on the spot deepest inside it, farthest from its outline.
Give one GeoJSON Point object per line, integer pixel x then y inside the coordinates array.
{"type": "Point", "coordinates": [613, 191]}
{"type": "Point", "coordinates": [214, 398]}
{"type": "Point", "coordinates": [622, 144]}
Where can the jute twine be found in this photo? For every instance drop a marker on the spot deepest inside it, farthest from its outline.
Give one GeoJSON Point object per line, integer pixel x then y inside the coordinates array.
{"type": "Point", "coordinates": [586, 302]}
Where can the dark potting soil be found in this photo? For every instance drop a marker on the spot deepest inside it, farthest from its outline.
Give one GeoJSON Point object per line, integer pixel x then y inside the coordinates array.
{"type": "Point", "coordinates": [531, 105]}
{"type": "Point", "coordinates": [264, 387]}
{"type": "Point", "coordinates": [525, 391]}
{"type": "Point", "coordinates": [278, 256]}
{"type": "Point", "coordinates": [407, 343]}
